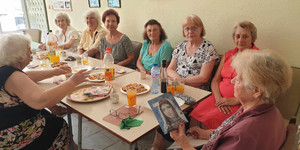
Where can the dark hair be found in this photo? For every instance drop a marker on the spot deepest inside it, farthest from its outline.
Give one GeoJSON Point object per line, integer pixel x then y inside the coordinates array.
{"type": "Point", "coordinates": [110, 12]}
{"type": "Point", "coordinates": [162, 36]}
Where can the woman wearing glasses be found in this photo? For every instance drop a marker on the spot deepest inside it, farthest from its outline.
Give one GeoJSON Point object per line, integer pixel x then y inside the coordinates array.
{"type": "Point", "coordinates": [90, 40]}
{"type": "Point", "coordinates": [194, 59]}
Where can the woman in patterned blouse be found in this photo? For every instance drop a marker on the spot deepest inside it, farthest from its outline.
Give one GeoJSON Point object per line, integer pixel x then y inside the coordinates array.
{"type": "Point", "coordinates": [193, 59]}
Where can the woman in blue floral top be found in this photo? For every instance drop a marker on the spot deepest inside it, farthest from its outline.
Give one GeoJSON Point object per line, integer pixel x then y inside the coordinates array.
{"type": "Point", "coordinates": [24, 122]}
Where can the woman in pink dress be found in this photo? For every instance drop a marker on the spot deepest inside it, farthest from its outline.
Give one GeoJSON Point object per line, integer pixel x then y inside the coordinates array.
{"type": "Point", "coordinates": [212, 111]}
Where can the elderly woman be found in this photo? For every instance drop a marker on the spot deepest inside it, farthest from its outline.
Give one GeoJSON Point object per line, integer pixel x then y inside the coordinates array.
{"type": "Point", "coordinates": [262, 76]}
{"type": "Point", "coordinates": [24, 122]}
{"type": "Point", "coordinates": [122, 49]}
{"type": "Point", "coordinates": [193, 59]}
{"type": "Point", "coordinates": [212, 111]}
{"type": "Point", "coordinates": [67, 38]}
{"type": "Point", "coordinates": [90, 40]}
{"type": "Point", "coordinates": [155, 47]}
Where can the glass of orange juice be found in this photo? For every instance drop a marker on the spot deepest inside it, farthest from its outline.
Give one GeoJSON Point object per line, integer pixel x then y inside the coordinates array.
{"type": "Point", "coordinates": [131, 97]}
{"type": "Point", "coordinates": [85, 59]}
{"type": "Point", "coordinates": [171, 86]}
{"type": "Point", "coordinates": [179, 85]}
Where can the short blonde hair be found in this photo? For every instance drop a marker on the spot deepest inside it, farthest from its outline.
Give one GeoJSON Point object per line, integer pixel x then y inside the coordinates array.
{"type": "Point", "coordinates": [249, 26]}
{"type": "Point", "coordinates": [94, 13]}
{"type": "Point", "coordinates": [265, 70]}
{"type": "Point", "coordinates": [64, 15]}
{"type": "Point", "coordinates": [13, 48]}
{"type": "Point", "coordinates": [197, 21]}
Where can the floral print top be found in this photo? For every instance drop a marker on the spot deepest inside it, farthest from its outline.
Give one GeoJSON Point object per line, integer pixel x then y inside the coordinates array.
{"type": "Point", "coordinates": [191, 65]}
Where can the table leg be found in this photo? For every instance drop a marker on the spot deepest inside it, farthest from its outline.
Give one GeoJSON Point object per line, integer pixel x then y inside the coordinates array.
{"type": "Point", "coordinates": [79, 132]}
{"type": "Point", "coordinates": [70, 127]}
{"type": "Point", "coordinates": [130, 147]}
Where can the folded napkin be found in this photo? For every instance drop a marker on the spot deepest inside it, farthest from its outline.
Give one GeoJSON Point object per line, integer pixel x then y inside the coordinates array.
{"type": "Point", "coordinates": [187, 99]}
{"type": "Point", "coordinates": [129, 123]}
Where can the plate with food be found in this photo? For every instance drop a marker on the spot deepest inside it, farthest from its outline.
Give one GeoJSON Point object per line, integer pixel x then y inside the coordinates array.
{"type": "Point", "coordinates": [58, 64]}
{"type": "Point", "coordinates": [77, 68]}
{"type": "Point", "coordinates": [140, 88]}
{"type": "Point", "coordinates": [96, 77]}
{"type": "Point", "coordinates": [90, 93]}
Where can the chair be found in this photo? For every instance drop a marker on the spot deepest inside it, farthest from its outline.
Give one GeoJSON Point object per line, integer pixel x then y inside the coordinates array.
{"type": "Point", "coordinates": [136, 49]}
{"type": "Point", "coordinates": [35, 34]}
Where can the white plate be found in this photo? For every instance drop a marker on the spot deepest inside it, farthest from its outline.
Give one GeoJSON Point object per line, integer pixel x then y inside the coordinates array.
{"type": "Point", "coordinates": [77, 68]}
{"type": "Point", "coordinates": [179, 101]}
{"type": "Point", "coordinates": [96, 80]}
{"type": "Point", "coordinates": [145, 85]}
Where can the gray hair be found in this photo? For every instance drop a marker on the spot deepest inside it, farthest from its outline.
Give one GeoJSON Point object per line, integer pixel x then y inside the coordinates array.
{"type": "Point", "coordinates": [265, 70]}
{"type": "Point", "coordinates": [63, 15]}
{"type": "Point", "coordinates": [13, 48]}
{"type": "Point", "coordinates": [249, 26]}
{"type": "Point", "coordinates": [94, 13]}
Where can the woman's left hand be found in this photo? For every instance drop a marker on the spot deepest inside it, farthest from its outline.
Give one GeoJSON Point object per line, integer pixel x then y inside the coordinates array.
{"type": "Point", "coordinates": [61, 70]}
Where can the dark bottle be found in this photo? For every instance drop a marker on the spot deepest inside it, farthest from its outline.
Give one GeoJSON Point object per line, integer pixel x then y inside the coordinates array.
{"type": "Point", "coordinates": [164, 77]}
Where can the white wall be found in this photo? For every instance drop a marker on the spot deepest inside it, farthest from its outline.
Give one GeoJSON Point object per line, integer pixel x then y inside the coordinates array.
{"type": "Point", "coordinates": [277, 21]}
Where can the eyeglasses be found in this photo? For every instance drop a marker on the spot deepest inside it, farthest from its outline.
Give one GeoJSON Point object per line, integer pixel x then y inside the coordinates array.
{"type": "Point", "coordinates": [193, 28]}
{"type": "Point", "coordinates": [123, 115]}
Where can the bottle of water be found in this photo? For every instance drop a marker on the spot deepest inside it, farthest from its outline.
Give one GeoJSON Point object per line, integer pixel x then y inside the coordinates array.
{"type": "Point", "coordinates": [109, 71]}
{"type": "Point", "coordinates": [155, 74]}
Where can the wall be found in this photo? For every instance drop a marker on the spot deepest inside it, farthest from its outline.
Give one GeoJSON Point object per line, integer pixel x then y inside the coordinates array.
{"type": "Point", "coordinates": [277, 21]}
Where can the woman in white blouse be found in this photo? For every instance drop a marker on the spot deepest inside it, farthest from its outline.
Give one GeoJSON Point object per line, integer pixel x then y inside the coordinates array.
{"type": "Point", "coordinates": [67, 37]}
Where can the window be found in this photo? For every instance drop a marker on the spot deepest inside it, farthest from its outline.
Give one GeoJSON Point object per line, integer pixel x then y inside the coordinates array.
{"type": "Point", "coordinates": [11, 16]}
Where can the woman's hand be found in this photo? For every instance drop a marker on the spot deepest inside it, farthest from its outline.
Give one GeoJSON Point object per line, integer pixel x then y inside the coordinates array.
{"type": "Point", "coordinates": [225, 109]}
{"type": "Point", "coordinates": [42, 46]}
{"type": "Point", "coordinates": [180, 138]}
{"type": "Point", "coordinates": [224, 101]}
{"type": "Point", "coordinates": [61, 70]}
{"type": "Point", "coordinates": [198, 133]}
{"type": "Point", "coordinates": [80, 76]}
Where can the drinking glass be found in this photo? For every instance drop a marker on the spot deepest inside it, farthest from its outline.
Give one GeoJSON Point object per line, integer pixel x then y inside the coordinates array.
{"type": "Point", "coordinates": [85, 59]}
{"type": "Point", "coordinates": [171, 86]}
{"type": "Point", "coordinates": [179, 85]}
{"type": "Point", "coordinates": [131, 97]}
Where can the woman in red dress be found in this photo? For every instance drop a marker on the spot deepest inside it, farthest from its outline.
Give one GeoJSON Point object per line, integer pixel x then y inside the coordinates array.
{"type": "Point", "coordinates": [212, 111]}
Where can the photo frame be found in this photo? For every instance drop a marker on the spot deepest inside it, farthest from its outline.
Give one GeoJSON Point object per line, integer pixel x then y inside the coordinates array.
{"type": "Point", "coordinates": [94, 3]}
{"type": "Point", "coordinates": [114, 3]}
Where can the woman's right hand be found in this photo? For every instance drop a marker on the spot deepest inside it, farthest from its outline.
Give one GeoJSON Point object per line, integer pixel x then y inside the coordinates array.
{"type": "Point", "coordinates": [42, 46]}
{"type": "Point", "coordinates": [198, 133]}
{"type": "Point", "coordinates": [80, 76]}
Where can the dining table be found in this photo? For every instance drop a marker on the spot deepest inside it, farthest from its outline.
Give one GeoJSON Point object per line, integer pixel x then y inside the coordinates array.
{"type": "Point", "coordinates": [96, 111]}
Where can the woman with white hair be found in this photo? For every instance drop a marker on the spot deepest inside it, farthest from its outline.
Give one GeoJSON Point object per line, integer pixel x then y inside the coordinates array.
{"type": "Point", "coordinates": [67, 38]}
{"type": "Point", "coordinates": [90, 40]}
{"type": "Point", "coordinates": [262, 76]}
{"type": "Point", "coordinates": [24, 122]}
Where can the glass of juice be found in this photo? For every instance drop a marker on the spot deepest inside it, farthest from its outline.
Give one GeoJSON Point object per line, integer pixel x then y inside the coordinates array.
{"type": "Point", "coordinates": [85, 59]}
{"type": "Point", "coordinates": [131, 97]}
{"type": "Point", "coordinates": [179, 85]}
{"type": "Point", "coordinates": [171, 86]}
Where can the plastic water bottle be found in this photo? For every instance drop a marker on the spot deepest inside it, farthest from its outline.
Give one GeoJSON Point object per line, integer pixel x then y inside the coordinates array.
{"type": "Point", "coordinates": [109, 71]}
{"type": "Point", "coordinates": [155, 74]}
{"type": "Point", "coordinates": [51, 41]}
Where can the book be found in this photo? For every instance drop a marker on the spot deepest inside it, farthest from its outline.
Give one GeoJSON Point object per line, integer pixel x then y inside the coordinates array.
{"type": "Point", "coordinates": [167, 112]}
{"type": "Point", "coordinates": [192, 141]}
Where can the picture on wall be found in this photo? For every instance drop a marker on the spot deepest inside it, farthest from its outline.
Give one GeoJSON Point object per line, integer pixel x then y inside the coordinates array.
{"type": "Point", "coordinates": [114, 3]}
{"type": "Point", "coordinates": [94, 3]}
{"type": "Point", "coordinates": [61, 4]}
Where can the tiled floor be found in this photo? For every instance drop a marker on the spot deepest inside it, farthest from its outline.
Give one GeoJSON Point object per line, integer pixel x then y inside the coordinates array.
{"type": "Point", "coordinates": [94, 137]}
